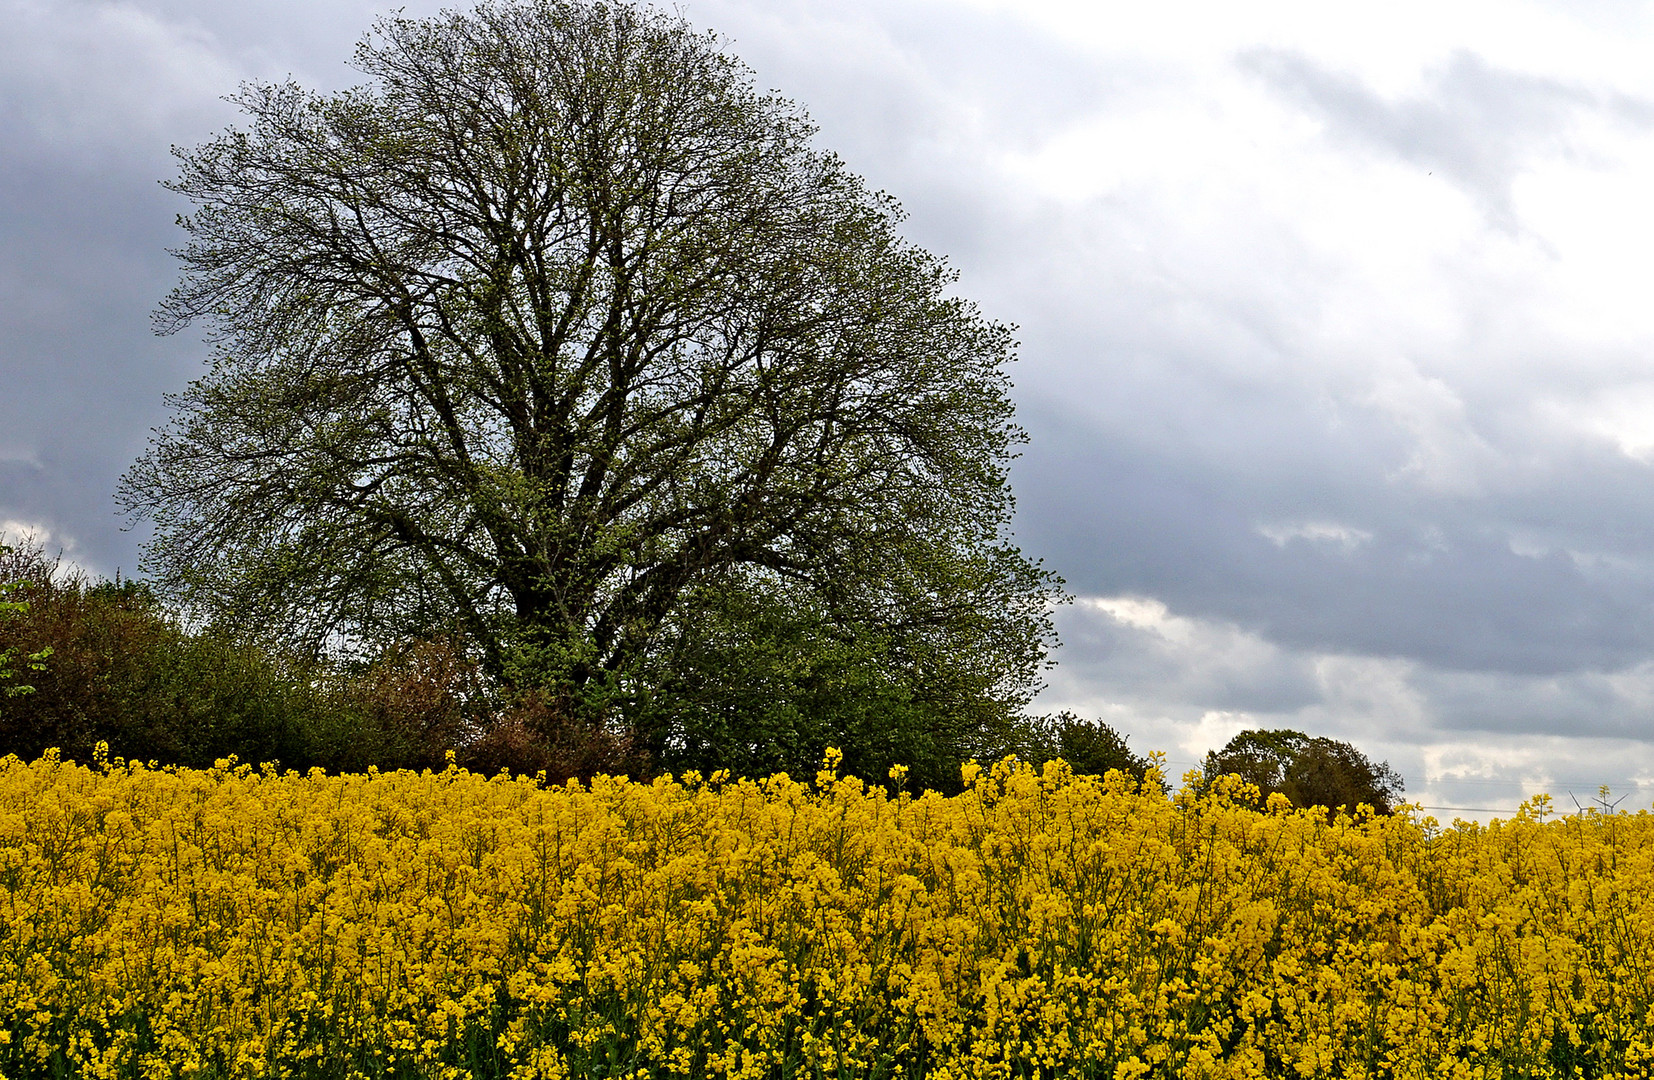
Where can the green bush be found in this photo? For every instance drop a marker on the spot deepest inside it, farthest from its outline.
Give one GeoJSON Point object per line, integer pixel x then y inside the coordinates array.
{"type": "Point", "coordinates": [1090, 747]}
{"type": "Point", "coordinates": [116, 668]}
{"type": "Point", "coordinates": [14, 663]}
{"type": "Point", "coordinates": [107, 662]}
{"type": "Point", "coordinates": [806, 679]}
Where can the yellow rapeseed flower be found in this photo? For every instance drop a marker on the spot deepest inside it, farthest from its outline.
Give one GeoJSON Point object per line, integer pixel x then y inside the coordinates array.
{"type": "Point", "coordinates": [241, 922]}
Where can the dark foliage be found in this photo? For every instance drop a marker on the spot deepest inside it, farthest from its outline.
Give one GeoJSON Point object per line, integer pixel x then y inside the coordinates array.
{"type": "Point", "coordinates": [1090, 747]}
{"type": "Point", "coordinates": [119, 669]}
{"type": "Point", "coordinates": [1310, 771]}
{"type": "Point", "coordinates": [808, 680]}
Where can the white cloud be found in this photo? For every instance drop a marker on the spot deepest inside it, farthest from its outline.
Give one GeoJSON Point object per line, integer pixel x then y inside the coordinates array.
{"type": "Point", "coordinates": [1142, 614]}
{"type": "Point", "coordinates": [1213, 730]}
{"type": "Point", "coordinates": [1347, 537]}
{"type": "Point", "coordinates": [1622, 415]}
{"type": "Point", "coordinates": [14, 532]}
{"type": "Point", "coordinates": [57, 546]}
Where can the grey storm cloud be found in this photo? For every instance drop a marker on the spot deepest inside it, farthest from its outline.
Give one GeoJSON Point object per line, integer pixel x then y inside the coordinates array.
{"type": "Point", "coordinates": [92, 97]}
{"type": "Point", "coordinates": [1414, 578]}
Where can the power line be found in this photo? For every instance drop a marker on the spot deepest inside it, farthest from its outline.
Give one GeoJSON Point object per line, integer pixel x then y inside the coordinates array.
{"type": "Point", "coordinates": [1553, 783]}
{"type": "Point", "coordinates": [1468, 809]}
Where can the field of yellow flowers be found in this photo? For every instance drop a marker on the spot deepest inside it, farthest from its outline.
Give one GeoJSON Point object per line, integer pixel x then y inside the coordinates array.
{"type": "Point", "coordinates": [245, 922]}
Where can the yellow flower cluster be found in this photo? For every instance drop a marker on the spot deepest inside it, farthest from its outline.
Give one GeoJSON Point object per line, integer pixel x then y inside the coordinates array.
{"type": "Point", "coordinates": [240, 922]}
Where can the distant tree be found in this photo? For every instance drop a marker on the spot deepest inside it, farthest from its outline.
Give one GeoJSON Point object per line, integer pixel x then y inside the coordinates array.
{"type": "Point", "coordinates": [1310, 771]}
{"type": "Point", "coordinates": [558, 337]}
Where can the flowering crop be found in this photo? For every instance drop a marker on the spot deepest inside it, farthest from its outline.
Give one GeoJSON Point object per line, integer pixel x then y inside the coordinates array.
{"type": "Point", "coordinates": [242, 922]}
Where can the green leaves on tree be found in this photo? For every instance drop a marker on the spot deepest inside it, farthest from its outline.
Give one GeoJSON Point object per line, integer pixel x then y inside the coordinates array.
{"type": "Point", "coordinates": [557, 336]}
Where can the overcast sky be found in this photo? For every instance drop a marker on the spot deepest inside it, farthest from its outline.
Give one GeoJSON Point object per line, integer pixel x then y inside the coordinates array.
{"type": "Point", "coordinates": [1337, 344]}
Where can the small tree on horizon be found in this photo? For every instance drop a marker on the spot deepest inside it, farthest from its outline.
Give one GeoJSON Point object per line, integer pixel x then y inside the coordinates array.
{"type": "Point", "coordinates": [1308, 770]}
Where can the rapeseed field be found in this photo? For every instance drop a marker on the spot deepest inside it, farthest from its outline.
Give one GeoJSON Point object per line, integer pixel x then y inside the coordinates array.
{"type": "Point", "coordinates": [242, 922]}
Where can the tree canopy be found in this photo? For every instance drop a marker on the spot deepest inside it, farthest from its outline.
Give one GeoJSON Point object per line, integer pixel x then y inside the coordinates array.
{"type": "Point", "coordinates": [558, 336]}
{"type": "Point", "coordinates": [1308, 770]}
{"type": "Point", "coordinates": [1090, 747]}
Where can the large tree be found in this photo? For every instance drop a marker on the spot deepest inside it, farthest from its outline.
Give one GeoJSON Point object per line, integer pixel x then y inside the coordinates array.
{"type": "Point", "coordinates": [557, 335]}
